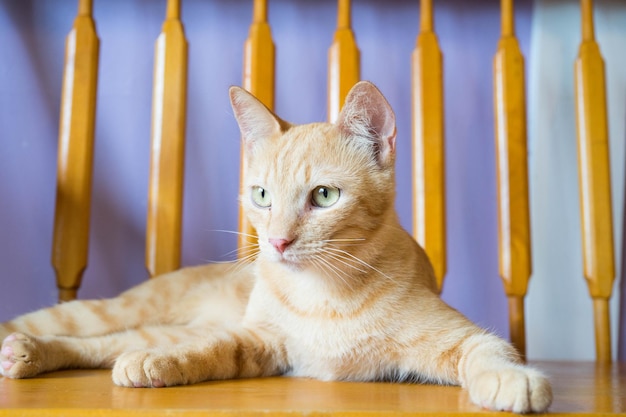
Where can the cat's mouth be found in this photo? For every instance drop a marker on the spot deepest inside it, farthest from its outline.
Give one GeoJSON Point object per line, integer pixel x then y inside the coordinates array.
{"type": "Point", "coordinates": [291, 258]}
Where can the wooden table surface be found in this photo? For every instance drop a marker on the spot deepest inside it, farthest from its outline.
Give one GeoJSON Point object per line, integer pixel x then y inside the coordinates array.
{"type": "Point", "coordinates": [579, 389]}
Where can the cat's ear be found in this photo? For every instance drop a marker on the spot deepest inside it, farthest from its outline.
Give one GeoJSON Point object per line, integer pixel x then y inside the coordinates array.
{"type": "Point", "coordinates": [366, 115]}
{"type": "Point", "coordinates": [255, 120]}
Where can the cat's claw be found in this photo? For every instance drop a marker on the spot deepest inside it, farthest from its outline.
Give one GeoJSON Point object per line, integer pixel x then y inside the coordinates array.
{"type": "Point", "coordinates": [516, 389]}
{"type": "Point", "coordinates": [147, 369]}
{"type": "Point", "coordinates": [20, 356]}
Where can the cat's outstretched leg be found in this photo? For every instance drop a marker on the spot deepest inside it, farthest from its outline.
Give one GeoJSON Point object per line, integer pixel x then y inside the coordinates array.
{"type": "Point", "coordinates": [174, 299]}
{"type": "Point", "coordinates": [485, 365]}
{"type": "Point", "coordinates": [489, 369]}
{"type": "Point", "coordinates": [450, 349]}
{"type": "Point", "coordinates": [234, 354]}
{"type": "Point", "coordinates": [143, 304]}
{"type": "Point", "coordinates": [24, 356]}
{"type": "Point", "coordinates": [82, 318]}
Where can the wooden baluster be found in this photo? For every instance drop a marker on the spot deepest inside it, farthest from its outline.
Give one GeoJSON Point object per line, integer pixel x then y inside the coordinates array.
{"type": "Point", "coordinates": [75, 159]}
{"type": "Point", "coordinates": [258, 78]}
{"type": "Point", "coordinates": [512, 173]}
{"type": "Point", "coordinates": [343, 62]}
{"type": "Point", "coordinates": [594, 180]}
{"type": "Point", "coordinates": [429, 193]}
{"type": "Point", "coordinates": [163, 235]}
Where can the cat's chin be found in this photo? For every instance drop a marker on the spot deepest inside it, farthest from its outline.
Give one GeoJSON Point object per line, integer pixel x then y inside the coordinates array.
{"type": "Point", "coordinates": [295, 266]}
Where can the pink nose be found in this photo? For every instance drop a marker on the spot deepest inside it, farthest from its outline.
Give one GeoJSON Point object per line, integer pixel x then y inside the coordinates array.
{"type": "Point", "coordinates": [280, 244]}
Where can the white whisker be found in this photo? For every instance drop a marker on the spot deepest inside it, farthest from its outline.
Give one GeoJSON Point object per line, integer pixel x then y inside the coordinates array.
{"type": "Point", "coordinates": [355, 239]}
{"type": "Point", "coordinates": [250, 256]}
{"type": "Point", "coordinates": [343, 259]}
{"type": "Point", "coordinates": [243, 250]}
{"type": "Point", "coordinates": [245, 260]}
{"type": "Point", "coordinates": [234, 232]}
{"type": "Point", "coordinates": [210, 261]}
{"type": "Point", "coordinates": [355, 258]}
{"type": "Point", "coordinates": [325, 266]}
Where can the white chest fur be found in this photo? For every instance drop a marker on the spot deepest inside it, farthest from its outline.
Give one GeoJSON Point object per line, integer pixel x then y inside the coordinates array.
{"type": "Point", "coordinates": [325, 337]}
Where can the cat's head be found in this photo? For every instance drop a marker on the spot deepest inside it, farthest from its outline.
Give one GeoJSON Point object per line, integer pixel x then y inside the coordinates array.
{"type": "Point", "coordinates": [317, 193]}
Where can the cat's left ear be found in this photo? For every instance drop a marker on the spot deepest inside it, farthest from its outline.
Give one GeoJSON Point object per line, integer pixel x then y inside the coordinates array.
{"type": "Point", "coordinates": [366, 115]}
{"type": "Point", "coordinates": [255, 120]}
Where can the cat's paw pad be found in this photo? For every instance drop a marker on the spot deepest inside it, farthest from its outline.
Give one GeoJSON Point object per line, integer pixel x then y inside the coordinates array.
{"type": "Point", "coordinates": [20, 356]}
{"type": "Point", "coordinates": [147, 368]}
{"type": "Point", "coordinates": [517, 389]}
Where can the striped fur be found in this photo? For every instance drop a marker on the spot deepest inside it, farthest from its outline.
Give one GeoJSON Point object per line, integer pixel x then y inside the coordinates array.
{"type": "Point", "coordinates": [335, 293]}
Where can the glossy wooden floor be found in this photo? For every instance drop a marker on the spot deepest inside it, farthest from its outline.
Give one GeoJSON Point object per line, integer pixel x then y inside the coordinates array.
{"type": "Point", "coordinates": [579, 389]}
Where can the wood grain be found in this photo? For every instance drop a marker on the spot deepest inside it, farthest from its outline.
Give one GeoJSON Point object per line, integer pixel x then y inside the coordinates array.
{"type": "Point", "coordinates": [580, 389]}
{"type": "Point", "coordinates": [429, 191]}
{"type": "Point", "coordinates": [344, 60]}
{"type": "Point", "coordinates": [594, 179]}
{"type": "Point", "coordinates": [512, 174]}
{"type": "Point", "coordinates": [169, 106]}
{"type": "Point", "coordinates": [70, 244]}
{"type": "Point", "coordinates": [258, 78]}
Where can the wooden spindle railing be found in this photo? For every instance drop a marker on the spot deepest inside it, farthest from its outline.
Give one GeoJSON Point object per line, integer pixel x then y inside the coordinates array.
{"type": "Point", "coordinates": [343, 62]}
{"type": "Point", "coordinates": [258, 78]}
{"type": "Point", "coordinates": [512, 174]}
{"type": "Point", "coordinates": [165, 199]}
{"type": "Point", "coordinates": [75, 159]}
{"type": "Point", "coordinates": [429, 193]}
{"type": "Point", "coordinates": [594, 180]}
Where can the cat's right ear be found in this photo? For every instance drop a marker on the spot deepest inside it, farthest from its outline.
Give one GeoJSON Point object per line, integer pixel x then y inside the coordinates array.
{"type": "Point", "coordinates": [368, 117]}
{"type": "Point", "coordinates": [255, 120]}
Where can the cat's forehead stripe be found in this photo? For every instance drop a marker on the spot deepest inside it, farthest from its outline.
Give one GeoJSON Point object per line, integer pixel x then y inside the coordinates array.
{"type": "Point", "coordinates": [297, 152]}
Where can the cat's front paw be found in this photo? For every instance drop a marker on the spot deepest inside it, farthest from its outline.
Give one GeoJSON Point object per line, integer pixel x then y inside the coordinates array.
{"type": "Point", "coordinates": [20, 356]}
{"type": "Point", "coordinates": [147, 368]}
{"type": "Point", "coordinates": [516, 388]}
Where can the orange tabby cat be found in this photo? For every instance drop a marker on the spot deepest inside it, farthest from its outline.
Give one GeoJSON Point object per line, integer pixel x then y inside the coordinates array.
{"type": "Point", "coordinates": [337, 289]}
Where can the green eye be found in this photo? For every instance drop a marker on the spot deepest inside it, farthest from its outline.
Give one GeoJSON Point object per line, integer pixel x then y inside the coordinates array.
{"type": "Point", "coordinates": [261, 197]}
{"type": "Point", "coordinates": [325, 196]}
